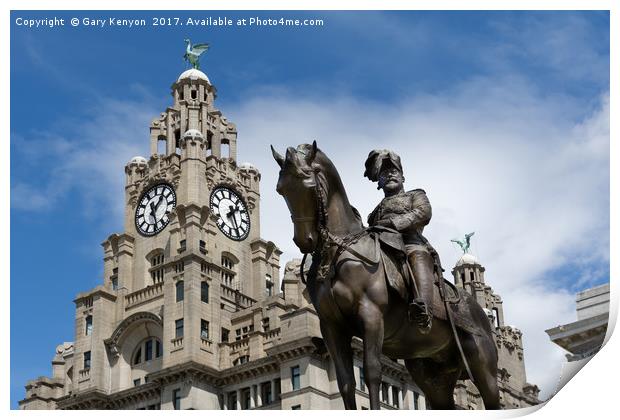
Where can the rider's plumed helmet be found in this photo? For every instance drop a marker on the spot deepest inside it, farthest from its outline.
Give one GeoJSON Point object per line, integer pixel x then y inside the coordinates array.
{"type": "Point", "coordinates": [376, 159]}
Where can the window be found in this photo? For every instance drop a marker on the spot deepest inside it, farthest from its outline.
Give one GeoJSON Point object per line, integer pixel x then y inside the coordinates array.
{"type": "Point", "coordinates": [277, 388]}
{"type": "Point", "coordinates": [204, 329]}
{"type": "Point", "coordinates": [362, 379]}
{"type": "Point", "coordinates": [242, 333]}
{"type": "Point", "coordinates": [295, 373]}
{"type": "Point", "coordinates": [157, 349]}
{"type": "Point", "coordinates": [268, 286]}
{"type": "Point", "coordinates": [114, 279]}
{"type": "Point", "coordinates": [176, 399]}
{"type": "Point", "coordinates": [202, 245]}
{"type": "Point", "coordinates": [136, 382]}
{"type": "Point", "coordinates": [245, 399]}
{"type": "Point", "coordinates": [225, 148]}
{"type": "Point", "coordinates": [265, 324]}
{"type": "Point", "coordinates": [204, 268]}
{"type": "Point", "coordinates": [148, 350]}
{"type": "Point", "coordinates": [178, 328]}
{"type": "Point", "coordinates": [89, 325]}
{"type": "Point", "coordinates": [144, 352]}
{"type": "Point", "coordinates": [225, 333]}
{"type": "Point", "coordinates": [241, 360]}
{"type": "Point", "coordinates": [182, 246]}
{"type": "Point", "coordinates": [227, 274]}
{"type": "Point", "coordinates": [86, 360]}
{"type": "Point", "coordinates": [496, 317]}
{"type": "Point", "coordinates": [232, 400]}
{"type": "Point", "coordinates": [157, 269]}
{"type": "Point", "coordinates": [296, 407]}
{"type": "Point", "coordinates": [265, 393]}
{"type": "Point", "coordinates": [180, 291]}
{"type": "Point", "coordinates": [384, 392]}
{"type": "Point", "coordinates": [204, 292]}
{"type": "Point", "coordinates": [471, 275]}
{"type": "Point", "coordinates": [395, 394]}
{"type": "Point", "coordinates": [179, 267]}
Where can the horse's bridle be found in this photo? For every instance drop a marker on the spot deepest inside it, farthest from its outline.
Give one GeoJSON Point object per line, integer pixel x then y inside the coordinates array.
{"type": "Point", "coordinates": [327, 239]}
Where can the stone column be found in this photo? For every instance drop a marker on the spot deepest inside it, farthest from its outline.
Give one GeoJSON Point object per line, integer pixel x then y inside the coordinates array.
{"type": "Point", "coordinates": [225, 401]}
{"type": "Point", "coordinates": [252, 396]}
{"type": "Point", "coordinates": [259, 396]}
{"type": "Point", "coordinates": [238, 400]}
{"type": "Point", "coordinates": [390, 394]}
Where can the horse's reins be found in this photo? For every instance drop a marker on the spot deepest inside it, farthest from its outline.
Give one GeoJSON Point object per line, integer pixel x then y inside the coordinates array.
{"type": "Point", "coordinates": [327, 238]}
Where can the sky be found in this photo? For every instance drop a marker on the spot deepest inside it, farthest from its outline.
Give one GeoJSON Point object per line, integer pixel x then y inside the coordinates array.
{"type": "Point", "coordinates": [502, 117]}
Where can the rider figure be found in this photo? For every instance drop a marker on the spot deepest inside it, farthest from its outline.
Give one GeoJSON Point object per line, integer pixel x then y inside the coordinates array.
{"type": "Point", "coordinates": [407, 212]}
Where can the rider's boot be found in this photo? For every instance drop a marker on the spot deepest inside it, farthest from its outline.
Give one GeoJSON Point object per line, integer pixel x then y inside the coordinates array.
{"type": "Point", "coordinates": [420, 313]}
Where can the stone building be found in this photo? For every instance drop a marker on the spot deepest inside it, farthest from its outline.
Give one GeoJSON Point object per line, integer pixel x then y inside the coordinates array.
{"type": "Point", "coordinates": [583, 338]}
{"type": "Point", "coordinates": [515, 391]}
{"type": "Point", "coordinates": [192, 313]}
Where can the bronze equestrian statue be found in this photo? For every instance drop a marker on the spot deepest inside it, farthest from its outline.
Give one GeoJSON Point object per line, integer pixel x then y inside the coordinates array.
{"type": "Point", "coordinates": [407, 213]}
{"type": "Point", "coordinates": [359, 287]}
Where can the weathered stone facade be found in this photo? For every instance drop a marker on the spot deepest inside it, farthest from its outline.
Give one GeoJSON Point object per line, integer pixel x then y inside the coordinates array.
{"type": "Point", "coordinates": [191, 319]}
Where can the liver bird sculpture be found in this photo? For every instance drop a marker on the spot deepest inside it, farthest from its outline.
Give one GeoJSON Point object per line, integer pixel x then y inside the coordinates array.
{"type": "Point", "coordinates": [193, 53]}
{"type": "Point", "coordinates": [464, 244]}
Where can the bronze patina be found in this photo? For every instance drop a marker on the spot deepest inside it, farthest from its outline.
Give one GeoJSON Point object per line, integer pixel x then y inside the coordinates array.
{"type": "Point", "coordinates": [465, 243]}
{"type": "Point", "coordinates": [193, 53]}
{"type": "Point", "coordinates": [348, 285]}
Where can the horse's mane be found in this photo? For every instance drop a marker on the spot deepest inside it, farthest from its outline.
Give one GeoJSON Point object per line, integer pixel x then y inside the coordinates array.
{"type": "Point", "coordinates": [322, 161]}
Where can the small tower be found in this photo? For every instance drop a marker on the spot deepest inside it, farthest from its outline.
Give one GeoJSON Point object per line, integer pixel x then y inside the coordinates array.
{"type": "Point", "coordinates": [515, 391]}
{"type": "Point", "coordinates": [193, 109]}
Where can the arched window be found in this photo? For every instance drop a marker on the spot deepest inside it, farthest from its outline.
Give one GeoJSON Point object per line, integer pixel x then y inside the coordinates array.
{"type": "Point", "coordinates": [180, 291]}
{"type": "Point", "coordinates": [227, 274]}
{"type": "Point", "coordinates": [157, 266]}
{"type": "Point", "coordinates": [148, 350]}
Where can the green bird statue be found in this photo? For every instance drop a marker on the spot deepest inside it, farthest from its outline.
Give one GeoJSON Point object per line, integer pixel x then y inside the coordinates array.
{"type": "Point", "coordinates": [193, 53]}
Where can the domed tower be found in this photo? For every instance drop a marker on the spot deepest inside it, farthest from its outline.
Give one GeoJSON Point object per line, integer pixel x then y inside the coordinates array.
{"type": "Point", "coordinates": [515, 391]}
{"type": "Point", "coordinates": [193, 109]}
{"type": "Point", "coordinates": [468, 274]}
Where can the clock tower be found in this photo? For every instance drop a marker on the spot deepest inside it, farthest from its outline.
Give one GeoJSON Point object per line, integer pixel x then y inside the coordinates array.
{"type": "Point", "coordinates": [191, 252]}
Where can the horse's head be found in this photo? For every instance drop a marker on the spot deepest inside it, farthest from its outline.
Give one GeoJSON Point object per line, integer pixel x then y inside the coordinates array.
{"type": "Point", "coordinates": [297, 183]}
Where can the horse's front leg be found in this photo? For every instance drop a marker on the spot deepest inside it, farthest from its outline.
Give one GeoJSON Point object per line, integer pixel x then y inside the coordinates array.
{"type": "Point", "coordinates": [372, 319]}
{"type": "Point", "coordinates": [339, 346]}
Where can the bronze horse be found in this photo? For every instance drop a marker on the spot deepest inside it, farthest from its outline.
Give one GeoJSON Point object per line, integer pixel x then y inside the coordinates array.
{"type": "Point", "coordinates": [352, 297]}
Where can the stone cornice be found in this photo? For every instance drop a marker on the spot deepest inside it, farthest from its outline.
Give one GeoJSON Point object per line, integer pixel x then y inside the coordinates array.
{"type": "Point", "coordinates": [99, 291]}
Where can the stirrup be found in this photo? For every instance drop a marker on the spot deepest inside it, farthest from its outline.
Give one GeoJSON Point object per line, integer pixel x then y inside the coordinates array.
{"type": "Point", "coordinates": [420, 314]}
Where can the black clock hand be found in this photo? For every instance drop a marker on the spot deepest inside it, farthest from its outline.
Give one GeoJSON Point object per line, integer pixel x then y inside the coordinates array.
{"type": "Point", "coordinates": [232, 212]}
{"type": "Point", "coordinates": [153, 209]}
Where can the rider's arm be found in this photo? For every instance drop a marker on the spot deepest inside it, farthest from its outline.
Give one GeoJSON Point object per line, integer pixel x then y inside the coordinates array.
{"type": "Point", "coordinates": [418, 217]}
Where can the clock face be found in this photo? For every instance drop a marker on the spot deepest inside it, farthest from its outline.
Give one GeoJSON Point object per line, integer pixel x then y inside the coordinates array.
{"type": "Point", "coordinates": [232, 214]}
{"type": "Point", "coordinates": [153, 209]}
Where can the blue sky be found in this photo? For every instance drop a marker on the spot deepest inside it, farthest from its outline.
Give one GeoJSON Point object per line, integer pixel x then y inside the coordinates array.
{"type": "Point", "coordinates": [513, 107]}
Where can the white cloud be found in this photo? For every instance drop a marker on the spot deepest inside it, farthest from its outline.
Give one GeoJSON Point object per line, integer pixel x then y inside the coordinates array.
{"type": "Point", "coordinates": [86, 155]}
{"type": "Point", "coordinates": [495, 157]}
